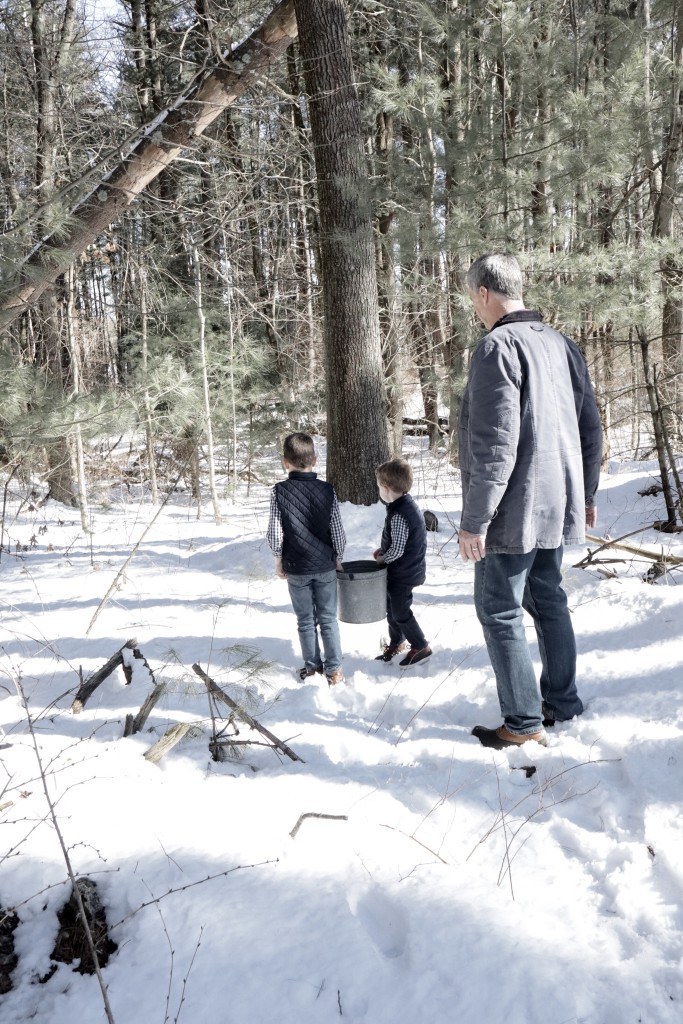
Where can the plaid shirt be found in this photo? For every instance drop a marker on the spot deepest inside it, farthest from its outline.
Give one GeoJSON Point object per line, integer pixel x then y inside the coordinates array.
{"type": "Point", "coordinates": [399, 537]}
{"type": "Point", "coordinates": [274, 534]}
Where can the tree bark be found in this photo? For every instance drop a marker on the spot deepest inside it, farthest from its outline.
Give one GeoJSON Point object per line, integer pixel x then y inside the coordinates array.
{"type": "Point", "coordinates": [357, 433]}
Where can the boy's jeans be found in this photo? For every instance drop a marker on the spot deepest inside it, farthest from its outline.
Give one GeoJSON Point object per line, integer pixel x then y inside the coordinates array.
{"type": "Point", "coordinates": [314, 599]}
{"type": "Point", "coordinates": [503, 586]}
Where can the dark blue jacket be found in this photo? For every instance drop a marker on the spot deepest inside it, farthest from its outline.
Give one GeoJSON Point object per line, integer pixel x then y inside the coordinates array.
{"type": "Point", "coordinates": [410, 569]}
{"type": "Point", "coordinates": [305, 505]}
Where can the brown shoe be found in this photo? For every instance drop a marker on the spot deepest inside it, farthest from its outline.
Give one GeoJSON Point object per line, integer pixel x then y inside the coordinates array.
{"type": "Point", "coordinates": [336, 677]}
{"type": "Point", "coordinates": [501, 737]}
{"type": "Point", "coordinates": [415, 655]}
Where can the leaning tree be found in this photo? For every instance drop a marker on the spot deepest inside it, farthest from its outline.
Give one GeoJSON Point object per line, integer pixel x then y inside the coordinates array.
{"type": "Point", "coordinates": [357, 425]}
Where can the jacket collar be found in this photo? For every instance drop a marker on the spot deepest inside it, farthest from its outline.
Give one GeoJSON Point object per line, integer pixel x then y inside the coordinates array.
{"type": "Point", "coordinates": [298, 474]}
{"type": "Point", "coordinates": [518, 316]}
{"type": "Point", "coordinates": [396, 502]}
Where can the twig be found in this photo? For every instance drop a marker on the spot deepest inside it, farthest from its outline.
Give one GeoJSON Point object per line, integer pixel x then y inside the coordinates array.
{"type": "Point", "coordinates": [314, 814]}
{"type": "Point", "coordinates": [189, 885]}
{"type": "Point", "coordinates": [424, 847]}
{"type": "Point", "coordinates": [185, 979]}
{"type": "Point", "coordinates": [424, 704]}
{"type": "Point", "coordinates": [65, 853]}
{"type": "Point", "coordinates": [123, 568]}
{"type": "Point", "coordinates": [505, 832]}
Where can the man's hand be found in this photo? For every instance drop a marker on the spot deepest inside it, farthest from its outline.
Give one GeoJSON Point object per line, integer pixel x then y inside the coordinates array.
{"type": "Point", "coordinates": [591, 516]}
{"type": "Point", "coordinates": [340, 565]}
{"type": "Point", "coordinates": [472, 546]}
{"type": "Point", "coordinates": [279, 570]}
{"type": "Point", "coordinates": [377, 555]}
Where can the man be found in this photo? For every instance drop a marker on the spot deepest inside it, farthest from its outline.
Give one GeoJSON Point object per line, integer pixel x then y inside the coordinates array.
{"type": "Point", "coordinates": [530, 451]}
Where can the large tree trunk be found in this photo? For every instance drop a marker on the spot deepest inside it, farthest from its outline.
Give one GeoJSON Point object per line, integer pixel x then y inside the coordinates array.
{"type": "Point", "coordinates": [164, 139]}
{"type": "Point", "coordinates": [356, 413]}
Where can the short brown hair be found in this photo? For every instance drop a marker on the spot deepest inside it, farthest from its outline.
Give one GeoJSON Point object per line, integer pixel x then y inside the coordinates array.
{"type": "Point", "coordinates": [397, 475]}
{"type": "Point", "coordinates": [298, 450]}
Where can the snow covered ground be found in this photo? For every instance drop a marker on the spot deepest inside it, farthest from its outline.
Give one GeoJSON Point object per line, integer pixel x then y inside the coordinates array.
{"type": "Point", "coordinates": [454, 884]}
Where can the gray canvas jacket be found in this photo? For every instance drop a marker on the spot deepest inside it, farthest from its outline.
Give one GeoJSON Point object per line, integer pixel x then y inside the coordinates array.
{"type": "Point", "coordinates": [530, 438]}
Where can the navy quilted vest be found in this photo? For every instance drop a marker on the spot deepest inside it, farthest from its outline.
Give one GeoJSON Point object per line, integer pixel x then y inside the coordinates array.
{"type": "Point", "coordinates": [305, 505]}
{"type": "Point", "coordinates": [410, 568]}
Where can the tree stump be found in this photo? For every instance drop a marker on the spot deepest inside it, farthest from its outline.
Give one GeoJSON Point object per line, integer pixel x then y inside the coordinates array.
{"type": "Point", "coordinates": [8, 958]}
{"type": "Point", "coordinates": [72, 939]}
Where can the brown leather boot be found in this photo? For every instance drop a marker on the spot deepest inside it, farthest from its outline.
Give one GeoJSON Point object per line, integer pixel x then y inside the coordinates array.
{"type": "Point", "coordinates": [501, 737]}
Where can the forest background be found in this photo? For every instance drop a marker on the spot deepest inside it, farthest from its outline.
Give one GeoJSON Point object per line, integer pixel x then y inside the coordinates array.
{"type": "Point", "coordinates": [246, 286]}
{"type": "Point", "coordinates": [221, 223]}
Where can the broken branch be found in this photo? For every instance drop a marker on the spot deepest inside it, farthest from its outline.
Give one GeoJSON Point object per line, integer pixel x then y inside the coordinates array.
{"type": "Point", "coordinates": [219, 695]}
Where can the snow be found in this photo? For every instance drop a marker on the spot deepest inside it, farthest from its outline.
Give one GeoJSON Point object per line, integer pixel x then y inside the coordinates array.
{"type": "Point", "coordinates": [453, 884]}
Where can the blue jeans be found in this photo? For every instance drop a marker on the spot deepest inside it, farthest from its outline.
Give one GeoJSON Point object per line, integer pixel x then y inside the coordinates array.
{"type": "Point", "coordinates": [505, 586]}
{"type": "Point", "coordinates": [314, 599]}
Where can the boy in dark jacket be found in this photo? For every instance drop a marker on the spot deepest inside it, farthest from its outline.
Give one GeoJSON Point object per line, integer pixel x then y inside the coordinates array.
{"type": "Point", "coordinates": [306, 535]}
{"type": "Point", "coordinates": [403, 550]}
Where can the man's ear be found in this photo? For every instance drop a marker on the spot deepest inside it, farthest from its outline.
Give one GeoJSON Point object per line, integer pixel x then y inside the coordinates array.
{"type": "Point", "coordinates": [315, 459]}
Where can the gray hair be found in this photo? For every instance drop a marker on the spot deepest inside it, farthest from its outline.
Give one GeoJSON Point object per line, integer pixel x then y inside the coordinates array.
{"type": "Point", "coordinates": [497, 272]}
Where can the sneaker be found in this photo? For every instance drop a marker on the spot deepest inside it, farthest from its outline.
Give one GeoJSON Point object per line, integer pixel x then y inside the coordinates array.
{"type": "Point", "coordinates": [336, 677]}
{"type": "Point", "coordinates": [501, 737]}
{"type": "Point", "coordinates": [415, 654]}
{"type": "Point", "coordinates": [390, 651]}
{"type": "Point", "coordinates": [305, 672]}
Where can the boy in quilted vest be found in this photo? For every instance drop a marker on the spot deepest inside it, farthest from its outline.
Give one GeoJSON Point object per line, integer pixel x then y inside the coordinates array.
{"type": "Point", "coordinates": [403, 550]}
{"type": "Point", "coordinates": [306, 535]}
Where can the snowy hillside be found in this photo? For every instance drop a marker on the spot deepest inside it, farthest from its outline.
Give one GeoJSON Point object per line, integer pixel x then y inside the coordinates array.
{"type": "Point", "coordinates": [450, 885]}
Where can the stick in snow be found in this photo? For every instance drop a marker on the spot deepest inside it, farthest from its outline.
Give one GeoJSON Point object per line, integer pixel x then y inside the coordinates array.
{"type": "Point", "coordinates": [605, 542]}
{"type": "Point", "coordinates": [167, 742]}
{"type": "Point", "coordinates": [314, 814]}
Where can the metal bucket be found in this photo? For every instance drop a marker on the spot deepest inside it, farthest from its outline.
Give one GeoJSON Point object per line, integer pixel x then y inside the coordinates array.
{"type": "Point", "coordinates": [362, 591]}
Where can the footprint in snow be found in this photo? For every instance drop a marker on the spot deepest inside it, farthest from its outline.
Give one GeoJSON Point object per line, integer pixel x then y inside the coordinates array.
{"type": "Point", "coordinates": [382, 919]}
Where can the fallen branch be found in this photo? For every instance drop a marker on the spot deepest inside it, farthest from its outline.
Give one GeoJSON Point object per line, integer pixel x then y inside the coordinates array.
{"type": "Point", "coordinates": [172, 736]}
{"type": "Point", "coordinates": [605, 542]}
{"type": "Point", "coordinates": [314, 814]}
{"type": "Point", "coordinates": [87, 688]}
{"type": "Point", "coordinates": [134, 723]}
{"type": "Point", "coordinates": [218, 694]}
